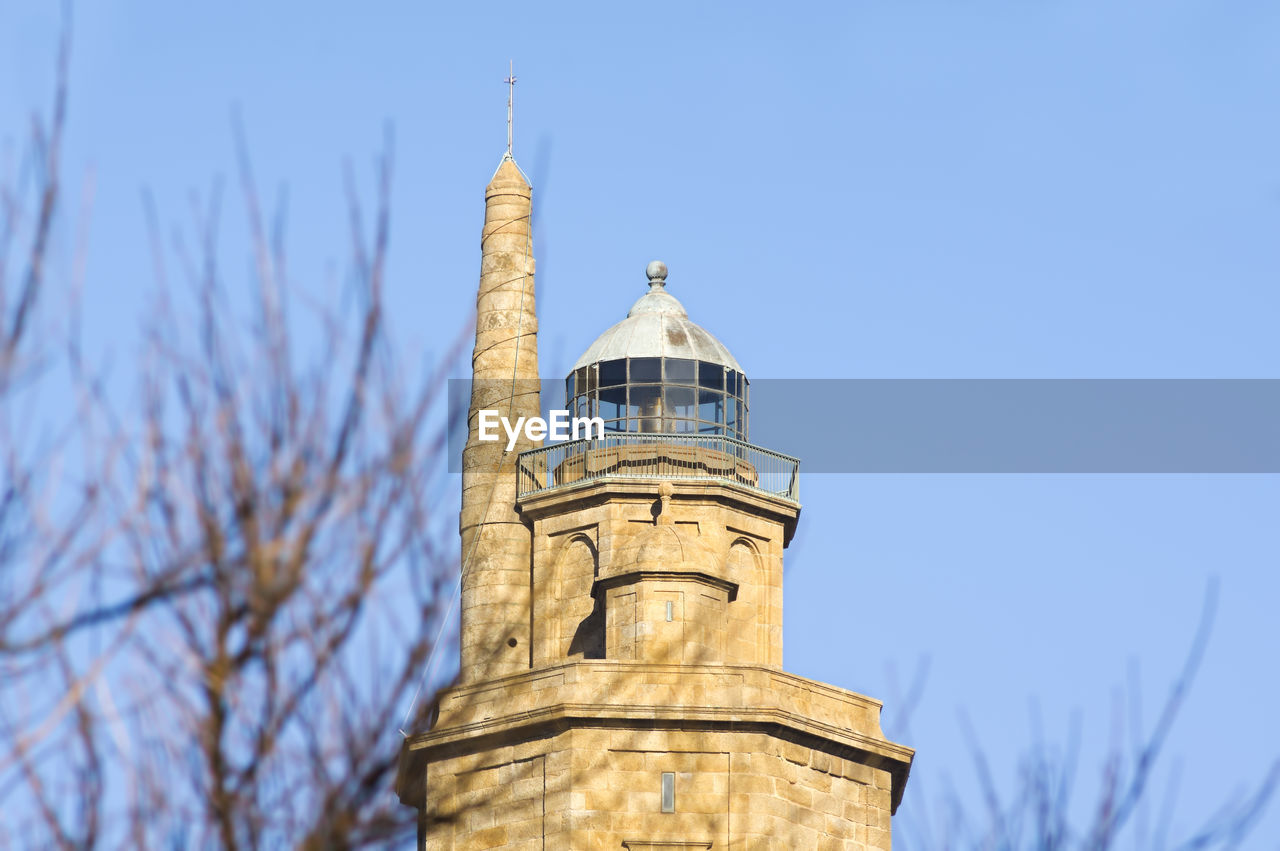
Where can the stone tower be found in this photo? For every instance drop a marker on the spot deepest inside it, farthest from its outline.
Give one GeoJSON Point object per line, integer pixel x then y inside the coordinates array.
{"type": "Point", "coordinates": [504, 368]}
{"type": "Point", "coordinates": [621, 683]}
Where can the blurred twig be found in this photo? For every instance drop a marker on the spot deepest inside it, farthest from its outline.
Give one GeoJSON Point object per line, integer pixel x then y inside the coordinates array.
{"type": "Point", "coordinates": [1037, 815]}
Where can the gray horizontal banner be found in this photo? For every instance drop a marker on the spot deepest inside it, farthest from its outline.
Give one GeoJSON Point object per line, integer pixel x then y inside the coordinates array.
{"type": "Point", "coordinates": [992, 425]}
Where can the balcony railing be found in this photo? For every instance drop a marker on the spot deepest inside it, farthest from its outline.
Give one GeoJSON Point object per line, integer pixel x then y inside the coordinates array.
{"type": "Point", "coordinates": [671, 457]}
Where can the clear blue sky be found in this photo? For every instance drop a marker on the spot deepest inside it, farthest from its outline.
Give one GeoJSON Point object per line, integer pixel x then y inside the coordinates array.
{"type": "Point", "coordinates": [984, 189]}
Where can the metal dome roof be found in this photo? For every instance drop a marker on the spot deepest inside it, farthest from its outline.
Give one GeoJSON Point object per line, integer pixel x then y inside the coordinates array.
{"type": "Point", "coordinates": [657, 326]}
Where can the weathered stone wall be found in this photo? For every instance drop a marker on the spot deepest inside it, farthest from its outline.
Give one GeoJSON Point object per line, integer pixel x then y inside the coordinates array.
{"type": "Point", "coordinates": [640, 626]}
{"type": "Point", "coordinates": [510, 797]}
{"type": "Point", "coordinates": [584, 533]}
{"type": "Point", "coordinates": [597, 788]}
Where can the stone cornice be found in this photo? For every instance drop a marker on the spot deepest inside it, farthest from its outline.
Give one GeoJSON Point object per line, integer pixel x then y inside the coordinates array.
{"type": "Point", "coordinates": [646, 696]}
{"type": "Point", "coordinates": [567, 498]}
{"type": "Point", "coordinates": [632, 576]}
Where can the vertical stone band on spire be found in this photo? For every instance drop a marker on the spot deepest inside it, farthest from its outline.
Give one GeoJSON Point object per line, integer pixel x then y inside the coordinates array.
{"type": "Point", "coordinates": [504, 363]}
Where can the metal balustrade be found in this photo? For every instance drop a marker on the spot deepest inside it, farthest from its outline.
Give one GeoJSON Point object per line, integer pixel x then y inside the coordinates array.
{"type": "Point", "coordinates": [671, 457]}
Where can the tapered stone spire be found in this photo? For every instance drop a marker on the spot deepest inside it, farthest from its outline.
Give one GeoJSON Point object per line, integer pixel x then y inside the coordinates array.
{"type": "Point", "coordinates": [504, 365]}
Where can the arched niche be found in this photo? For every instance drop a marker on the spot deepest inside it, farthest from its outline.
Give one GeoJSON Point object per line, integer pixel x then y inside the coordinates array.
{"type": "Point", "coordinates": [580, 615]}
{"type": "Point", "coordinates": [749, 614]}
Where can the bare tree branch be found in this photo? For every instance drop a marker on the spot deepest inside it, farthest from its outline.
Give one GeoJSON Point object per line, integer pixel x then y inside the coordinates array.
{"type": "Point", "coordinates": [248, 561]}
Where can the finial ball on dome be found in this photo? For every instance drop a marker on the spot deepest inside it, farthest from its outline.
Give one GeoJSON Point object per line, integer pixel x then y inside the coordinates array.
{"type": "Point", "coordinates": [656, 270]}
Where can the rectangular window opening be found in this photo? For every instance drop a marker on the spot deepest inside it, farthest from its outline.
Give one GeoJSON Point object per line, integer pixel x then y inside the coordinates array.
{"type": "Point", "coordinates": [681, 371]}
{"type": "Point", "coordinates": [668, 791]}
{"type": "Point", "coordinates": [646, 370]}
{"type": "Point", "coordinates": [670, 611]}
{"type": "Point", "coordinates": [613, 373]}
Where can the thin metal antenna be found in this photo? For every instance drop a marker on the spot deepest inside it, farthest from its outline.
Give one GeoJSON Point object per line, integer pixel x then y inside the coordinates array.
{"type": "Point", "coordinates": [511, 93]}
